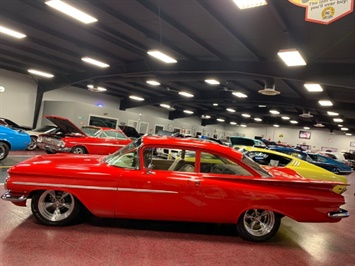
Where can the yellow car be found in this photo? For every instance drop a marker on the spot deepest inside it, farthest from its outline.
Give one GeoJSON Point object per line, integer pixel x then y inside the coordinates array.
{"type": "Point", "coordinates": [305, 169]}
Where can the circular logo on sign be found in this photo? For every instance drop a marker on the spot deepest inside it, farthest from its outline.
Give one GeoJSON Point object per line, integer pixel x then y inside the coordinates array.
{"type": "Point", "coordinates": [328, 12]}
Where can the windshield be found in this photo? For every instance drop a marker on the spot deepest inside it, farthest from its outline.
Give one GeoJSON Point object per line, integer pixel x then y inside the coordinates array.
{"type": "Point", "coordinates": [255, 166]}
{"type": "Point", "coordinates": [126, 157]}
{"type": "Point", "coordinates": [91, 131]}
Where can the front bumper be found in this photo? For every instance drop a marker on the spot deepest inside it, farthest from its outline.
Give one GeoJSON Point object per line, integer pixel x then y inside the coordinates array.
{"type": "Point", "coordinates": [341, 213]}
{"type": "Point", "coordinates": [8, 196]}
{"type": "Point", "coordinates": [53, 148]}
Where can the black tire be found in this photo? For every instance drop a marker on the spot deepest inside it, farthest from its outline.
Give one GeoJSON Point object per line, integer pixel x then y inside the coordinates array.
{"type": "Point", "coordinates": [4, 150]}
{"type": "Point", "coordinates": [55, 207]}
{"type": "Point", "coordinates": [258, 225]}
{"type": "Point", "coordinates": [78, 150]}
{"type": "Point", "coordinates": [49, 152]}
{"type": "Point", "coordinates": [33, 144]}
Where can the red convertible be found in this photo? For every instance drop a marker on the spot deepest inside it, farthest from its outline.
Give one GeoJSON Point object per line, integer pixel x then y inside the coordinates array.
{"type": "Point", "coordinates": [89, 139]}
{"type": "Point", "coordinates": [205, 182]}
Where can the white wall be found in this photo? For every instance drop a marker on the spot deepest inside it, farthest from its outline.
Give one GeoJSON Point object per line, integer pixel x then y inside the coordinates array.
{"type": "Point", "coordinates": [17, 103]}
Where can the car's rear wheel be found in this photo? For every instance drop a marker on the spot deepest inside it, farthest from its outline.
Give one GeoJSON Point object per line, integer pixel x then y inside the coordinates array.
{"type": "Point", "coordinates": [33, 144]}
{"type": "Point", "coordinates": [78, 150]}
{"type": "Point", "coordinates": [258, 225]}
{"type": "Point", "coordinates": [55, 207]}
{"type": "Point", "coordinates": [4, 150]}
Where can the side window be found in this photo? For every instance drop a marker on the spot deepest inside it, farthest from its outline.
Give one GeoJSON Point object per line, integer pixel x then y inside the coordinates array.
{"type": "Point", "coordinates": [128, 160]}
{"type": "Point", "coordinates": [213, 163]}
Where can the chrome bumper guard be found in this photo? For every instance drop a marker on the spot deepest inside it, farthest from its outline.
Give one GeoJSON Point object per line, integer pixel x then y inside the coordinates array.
{"type": "Point", "coordinates": [339, 214]}
{"type": "Point", "coordinates": [8, 197]}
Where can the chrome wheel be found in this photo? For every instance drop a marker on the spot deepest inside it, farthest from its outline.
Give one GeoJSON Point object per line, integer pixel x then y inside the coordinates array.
{"type": "Point", "coordinates": [33, 144]}
{"type": "Point", "coordinates": [258, 225]}
{"type": "Point", "coordinates": [53, 207]}
{"type": "Point", "coordinates": [78, 150]}
{"type": "Point", "coordinates": [4, 150]}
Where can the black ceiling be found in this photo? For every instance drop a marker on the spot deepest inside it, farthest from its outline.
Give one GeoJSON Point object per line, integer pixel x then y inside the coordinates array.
{"type": "Point", "coordinates": [209, 38]}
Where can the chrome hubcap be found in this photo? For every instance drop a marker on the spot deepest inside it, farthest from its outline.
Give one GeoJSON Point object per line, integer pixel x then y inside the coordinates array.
{"type": "Point", "coordinates": [259, 222]}
{"type": "Point", "coordinates": [56, 205]}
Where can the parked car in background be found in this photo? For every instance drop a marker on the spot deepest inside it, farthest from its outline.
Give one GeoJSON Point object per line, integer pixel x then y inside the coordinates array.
{"type": "Point", "coordinates": [12, 124]}
{"type": "Point", "coordinates": [239, 142]}
{"type": "Point", "coordinates": [12, 139]}
{"type": "Point", "coordinates": [132, 183]}
{"type": "Point", "coordinates": [308, 170]}
{"type": "Point", "coordinates": [87, 139]}
{"type": "Point", "coordinates": [336, 155]}
{"type": "Point", "coordinates": [351, 158]}
{"type": "Point", "coordinates": [341, 168]}
{"type": "Point", "coordinates": [47, 129]}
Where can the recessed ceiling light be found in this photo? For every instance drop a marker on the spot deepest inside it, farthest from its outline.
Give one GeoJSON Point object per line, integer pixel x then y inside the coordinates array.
{"type": "Point", "coordinates": [188, 112]}
{"type": "Point", "coordinates": [153, 82]}
{"type": "Point", "coordinates": [274, 112]}
{"type": "Point", "coordinates": [313, 87]}
{"type": "Point", "coordinates": [94, 62]}
{"type": "Point", "coordinates": [40, 73]}
{"type": "Point", "coordinates": [220, 120]}
{"type": "Point", "coordinates": [285, 118]}
{"type": "Point", "coordinates": [186, 94]}
{"type": "Point", "coordinates": [12, 33]}
{"type": "Point", "coordinates": [137, 98]}
{"type": "Point", "coordinates": [344, 129]}
{"type": "Point", "coordinates": [230, 110]}
{"type": "Point", "coordinates": [294, 122]}
{"type": "Point", "coordinates": [243, 125]}
{"type": "Point", "coordinates": [306, 128]}
{"type": "Point", "coordinates": [244, 4]}
{"type": "Point", "coordinates": [215, 104]}
{"type": "Point", "coordinates": [71, 11]}
{"type": "Point", "coordinates": [291, 57]}
{"type": "Point", "coordinates": [262, 106]}
{"type": "Point", "coordinates": [161, 56]}
{"type": "Point", "coordinates": [332, 113]}
{"type": "Point", "coordinates": [276, 125]}
{"type": "Point", "coordinates": [212, 81]}
{"type": "Point", "coordinates": [233, 123]}
{"type": "Point", "coordinates": [325, 103]}
{"type": "Point", "coordinates": [348, 134]}
{"type": "Point", "coordinates": [167, 106]}
{"type": "Point", "coordinates": [239, 94]}
{"type": "Point", "coordinates": [97, 89]}
{"type": "Point", "coordinates": [246, 115]}
{"type": "Point", "coordinates": [258, 119]}
{"type": "Point", "coordinates": [205, 116]}
{"type": "Point", "coordinates": [340, 125]}
{"type": "Point", "coordinates": [338, 120]}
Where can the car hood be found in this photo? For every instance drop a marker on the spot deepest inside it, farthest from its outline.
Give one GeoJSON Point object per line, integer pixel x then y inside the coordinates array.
{"type": "Point", "coordinates": [65, 125]}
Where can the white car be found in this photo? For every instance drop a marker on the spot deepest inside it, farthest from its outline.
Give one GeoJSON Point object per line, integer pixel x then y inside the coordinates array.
{"type": "Point", "coordinates": [35, 132]}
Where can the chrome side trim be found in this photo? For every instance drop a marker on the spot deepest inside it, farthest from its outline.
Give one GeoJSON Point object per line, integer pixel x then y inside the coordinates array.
{"type": "Point", "coordinates": [339, 214]}
{"type": "Point", "coordinates": [8, 197]}
{"type": "Point", "coordinates": [98, 188]}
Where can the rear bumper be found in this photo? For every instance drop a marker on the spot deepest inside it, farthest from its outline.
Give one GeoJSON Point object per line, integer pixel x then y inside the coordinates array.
{"type": "Point", "coordinates": [341, 213]}
{"type": "Point", "coordinates": [8, 196]}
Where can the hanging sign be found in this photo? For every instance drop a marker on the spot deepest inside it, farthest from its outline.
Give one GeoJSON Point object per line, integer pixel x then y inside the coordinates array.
{"type": "Point", "coordinates": [325, 11]}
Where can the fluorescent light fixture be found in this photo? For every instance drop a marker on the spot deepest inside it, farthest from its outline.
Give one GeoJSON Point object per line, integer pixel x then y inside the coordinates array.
{"type": "Point", "coordinates": [212, 81]}
{"type": "Point", "coordinates": [94, 62]}
{"type": "Point", "coordinates": [71, 11]}
{"type": "Point", "coordinates": [101, 89]}
{"type": "Point", "coordinates": [344, 129]}
{"type": "Point", "coordinates": [205, 116]}
{"type": "Point", "coordinates": [233, 123]}
{"type": "Point", "coordinates": [220, 119]}
{"type": "Point", "coordinates": [325, 103]}
{"type": "Point", "coordinates": [153, 82]}
{"type": "Point", "coordinates": [285, 118]}
{"type": "Point", "coordinates": [262, 106]}
{"type": "Point", "coordinates": [274, 112]}
{"type": "Point", "coordinates": [313, 87]}
{"type": "Point", "coordinates": [40, 73]}
{"type": "Point", "coordinates": [340, 125]}
{"type": "Point", "coordinates": [239, 94]}
{"type": "Point", "coordinates": [243, 125]}
{"type": "Point", "coordinates": [338, 120]}
{"type": "Point", "coordinates": [188, 112]}
{"type": "Point", "coordinates": [12, 33]}
{"type": "Point", "coordinates": [137, 98]}
{"type": "Point", "coordinates": [257, 119]}
{"type": "Point", "coordinates": [276, 125]}
{"type": "Point", "coordinates": [98, 89]}
{"type": "Point", "coordinates": [306, 128]}
{"type": "Point", "coordinates": [167, 106]}
{"type": "Point", "coordinates": [246, 115]}
{"type": "Point", "coordinates": [332, 113]}
{"type": "Point", "coordinates": [161, 56]}
{"type": "Point", "coordinates": [244, 4]}
{"type": "Point", "coordinates": [186, 94]}
{"type": "Point", "coordinates": [348, 134]}
{"type": "Point", "coordinates": [291, 57]}
{"type": "Point", "coordinates": [230, 110]}
{"type": "Point", "coordinates": [294, 122]}
{"type": "Point", "coordinates": [215, 104]}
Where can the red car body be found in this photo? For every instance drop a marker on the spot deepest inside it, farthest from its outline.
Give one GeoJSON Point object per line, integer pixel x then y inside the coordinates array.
{"type": "Point", "coordinates": [132, 183]}
{"type": "Point", "coordinates": [71, 139]}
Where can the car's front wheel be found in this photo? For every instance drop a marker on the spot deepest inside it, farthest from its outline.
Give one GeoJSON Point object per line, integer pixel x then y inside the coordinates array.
{"type": "Point", "coordinates": [55, 207]}
{"type": "Point", "coordinates": [33, 144]}
{"type": "Point", "coordinates": [78, 150]}
{"type": "Point", "coordinates": [258, 225]}
{"type": "Point", "coordinates": [4, 150]}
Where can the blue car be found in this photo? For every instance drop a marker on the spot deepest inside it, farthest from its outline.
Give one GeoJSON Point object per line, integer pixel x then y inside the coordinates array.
{"type": "Point", "coordinates": [11, 139]}
{"type": "Point", "coordinates": [329, 165]}
{"type": "Point", "coordinates": [342, 169]}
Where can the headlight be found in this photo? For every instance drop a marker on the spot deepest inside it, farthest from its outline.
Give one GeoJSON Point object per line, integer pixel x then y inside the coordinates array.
{"type": "Point", "coordinates": [61, 144]}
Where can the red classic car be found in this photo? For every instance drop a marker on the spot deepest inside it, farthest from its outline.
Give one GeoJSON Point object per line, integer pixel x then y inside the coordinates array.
{"type": "Point", "coordinates": [89, 139]}
{"type": "Point", "coordinates": [206, 182]}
